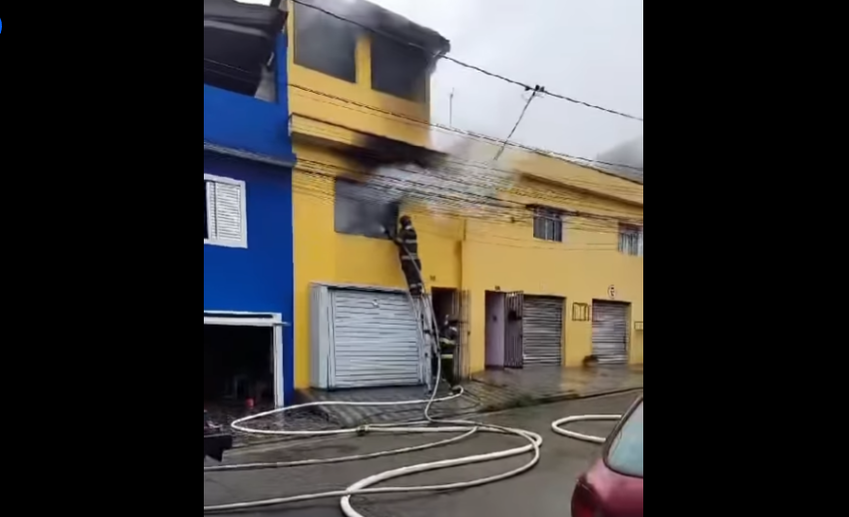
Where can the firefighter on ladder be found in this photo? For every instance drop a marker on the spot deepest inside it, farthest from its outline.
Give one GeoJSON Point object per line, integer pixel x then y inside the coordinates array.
{"type": "Point", "coordinates": [408, 249]}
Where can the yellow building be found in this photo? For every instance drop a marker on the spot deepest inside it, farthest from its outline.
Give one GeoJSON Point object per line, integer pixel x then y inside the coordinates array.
{"type": "Point", "coordinates": [559, 243]}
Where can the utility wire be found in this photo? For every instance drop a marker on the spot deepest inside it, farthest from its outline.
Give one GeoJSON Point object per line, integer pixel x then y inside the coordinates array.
{"type": "Point", "coordinates": [463, 64]}
{"type": "Point", "coordinates": [574, 159]}
{"type": "Point", "coordinates": [447, 201]}
{"type": "Point", "coordinates": [537, 89]}
{"type": "Point", "coordinates": [497, 180]}
{"type": "Point", "coordinates": [467, 180]}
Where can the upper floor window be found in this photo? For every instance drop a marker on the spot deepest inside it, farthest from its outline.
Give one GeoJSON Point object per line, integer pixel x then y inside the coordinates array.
{"type": "Point", "coordinates": [398, 69]}
{"type": "Point", "coordinates": [364, 210]}
{"type": "Point", "coordinates": [325, 44]}
{"type": "Point", "coordinates": [548, 224]}
{"type": "Point", "coordinates": [631, 240]}
{"type": "Point", "coordinates": [224, 212]}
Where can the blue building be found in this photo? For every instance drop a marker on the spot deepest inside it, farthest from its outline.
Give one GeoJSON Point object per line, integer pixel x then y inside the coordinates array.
{"type": "Point", "coordinates": [247, 176]}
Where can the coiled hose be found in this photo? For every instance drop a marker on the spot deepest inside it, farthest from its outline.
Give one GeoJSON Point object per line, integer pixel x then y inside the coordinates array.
{"type": "Point", "coordinates": [462, 428]}
{"type": "Point", "coordinates": [557, 427]}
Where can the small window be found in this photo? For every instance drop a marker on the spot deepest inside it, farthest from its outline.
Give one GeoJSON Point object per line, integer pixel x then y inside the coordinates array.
{"type": "Point", "coordinates": [224, 212]}
{"type": "Point", "coordinates": [364, 210]}
{"type": "Point", "coordinates": [325, 44]}
{"type": "Point", "coordinates": [548, 224]}
{"type": "Point", "coordinates": [631, 240]}
{"type": "Point", "coordinates": [626, 450]}
{"type": "Point", "coordinates": [398, 69]}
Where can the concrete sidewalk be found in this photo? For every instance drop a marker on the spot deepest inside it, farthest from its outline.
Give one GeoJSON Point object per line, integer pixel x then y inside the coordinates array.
{"type": "Point", "coordinates": [486, 392]}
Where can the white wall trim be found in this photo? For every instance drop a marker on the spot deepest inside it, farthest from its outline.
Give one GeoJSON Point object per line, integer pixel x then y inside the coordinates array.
{"type": "Point", "coordinates": [243, 209]}
{"type": "Point", "coordinates": [247, 155]}
{"type": "Point", "coordinates": [272, 320]}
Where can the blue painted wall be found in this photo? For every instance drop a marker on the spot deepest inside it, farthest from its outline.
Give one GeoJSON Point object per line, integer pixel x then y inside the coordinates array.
{"type": "Point", "coordinates": [248, 124]}
{"type": "Point", "coordinates": [261, 277]}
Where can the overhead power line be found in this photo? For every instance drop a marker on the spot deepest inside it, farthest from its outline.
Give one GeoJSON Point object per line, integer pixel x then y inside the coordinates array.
{"type": "Point", "coordinates": [375, 111]}
{"type": "Point", "coordinates": [447, 203]}
{"type": "Point", "coordinates": [463, 64]}
{"type": "Point", "coordinates": [537, 89]}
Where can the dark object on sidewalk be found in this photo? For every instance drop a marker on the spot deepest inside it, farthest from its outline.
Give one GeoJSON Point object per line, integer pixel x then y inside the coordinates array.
{"type": "Point", "coordinates": [590, 361]}
{"type": "Point", "coordinates": [215, 441]}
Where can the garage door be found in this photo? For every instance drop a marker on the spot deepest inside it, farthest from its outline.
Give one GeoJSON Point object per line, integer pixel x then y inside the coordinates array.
{"type": "Point", "coordinates": [543, 330]}
{"type": "Point", "coordinates": [610, 332]}
{"type": "Point", "coordinates": [375, 340]}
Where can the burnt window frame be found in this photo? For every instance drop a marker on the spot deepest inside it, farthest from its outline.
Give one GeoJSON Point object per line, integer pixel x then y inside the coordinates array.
{"type": "Point", "coordinates": [382, 48]}
{"type": "Point", "coordinates": [306, 58]}
{"type": "Point", "coordinates": [365, 205]}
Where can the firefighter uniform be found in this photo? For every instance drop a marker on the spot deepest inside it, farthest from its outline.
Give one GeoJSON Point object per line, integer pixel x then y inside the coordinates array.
{"type": "Point", "coordinates": [447, 351]}
{"type": "Point", "coordinates": [408, 248]}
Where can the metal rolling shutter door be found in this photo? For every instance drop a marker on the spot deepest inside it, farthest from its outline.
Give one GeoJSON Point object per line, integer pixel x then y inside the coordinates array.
{"type": "Point", "coordinates": [376, 340]}
{"type": "Point", "coordinates": [610, 332]}
{"type": "Point", "coordinates": [543, 330]}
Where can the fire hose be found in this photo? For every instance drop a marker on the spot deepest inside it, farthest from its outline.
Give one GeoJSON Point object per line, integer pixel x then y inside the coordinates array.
{"type": "Point", "coordinates": [557, 427]}
{"type": "Point", "coordinates": [462, 429]}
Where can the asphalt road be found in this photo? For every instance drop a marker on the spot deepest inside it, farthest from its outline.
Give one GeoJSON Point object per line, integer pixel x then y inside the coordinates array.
{"type": "Point", "coordinates": [544, 491]}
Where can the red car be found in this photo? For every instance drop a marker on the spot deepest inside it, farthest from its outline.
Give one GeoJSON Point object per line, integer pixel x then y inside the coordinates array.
{"type": "Point", "coordinates": [613, 487]}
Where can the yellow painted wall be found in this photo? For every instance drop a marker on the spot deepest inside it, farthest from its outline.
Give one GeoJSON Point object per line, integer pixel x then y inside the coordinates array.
{"type": "Point", "coordinates": [474, 252]}
{"type": "Point", "coordinates": [496, 252]}
{"type": "Point", "coordinates": [322, 255]}
{"type": "Point", "coordinates": [314, 97]}
{"type": "Point", "coordinates": [503, 253]}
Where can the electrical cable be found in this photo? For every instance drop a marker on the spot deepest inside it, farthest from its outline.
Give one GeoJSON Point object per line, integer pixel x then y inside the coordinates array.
{"type": "Point", "coordinates": [427, 426]}
{"type": "Point", "coordinates": [386, 190]}
{"type": "Point", "coordinates": [537, 89]}
{"type": "Point", "coordinates": [435, 185]}
{"type": "Point", "coordinates": [582, 161]}
{"type": "Point", "coordinates": [439, 55]}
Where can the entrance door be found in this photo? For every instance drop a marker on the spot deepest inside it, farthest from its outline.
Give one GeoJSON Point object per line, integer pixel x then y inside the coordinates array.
{"type": "Point", "coordinates": [513, 335]}
{"type": "Point", "coordinates": [610, 332]}
{"type": "Point", "coordinates": [543, 330]}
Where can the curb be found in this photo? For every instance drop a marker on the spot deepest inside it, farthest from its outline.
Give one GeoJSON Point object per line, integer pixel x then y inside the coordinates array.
{"type": "Point", "coordinates": [529, 401]}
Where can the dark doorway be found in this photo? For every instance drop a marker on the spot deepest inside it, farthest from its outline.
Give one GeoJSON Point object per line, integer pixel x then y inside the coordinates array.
{"type": "Point", "coordinates": [445, 303]}
{"type": "Point", "coordinates": [238, 366]}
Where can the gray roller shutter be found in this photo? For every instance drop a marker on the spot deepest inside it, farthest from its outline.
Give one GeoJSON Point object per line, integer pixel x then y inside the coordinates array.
{"type": "Point", "coordinates": [543, 330]}
{"type": "Point", "coordinates": [375, 340]}
{"type": "Point", "coordinates": [610, 332]}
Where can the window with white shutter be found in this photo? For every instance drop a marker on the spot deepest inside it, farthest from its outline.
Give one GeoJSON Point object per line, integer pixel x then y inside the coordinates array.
{"type": "Point", "coordinates": [224, 211]}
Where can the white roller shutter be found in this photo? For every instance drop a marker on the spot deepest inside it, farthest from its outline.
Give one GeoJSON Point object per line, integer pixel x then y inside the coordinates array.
{"type": "Point", "coordinates": [375, 340]}
{"type": "Point", "coordinates": [543, 330]}
{"type": "Point", "coordinates": [610, 332]}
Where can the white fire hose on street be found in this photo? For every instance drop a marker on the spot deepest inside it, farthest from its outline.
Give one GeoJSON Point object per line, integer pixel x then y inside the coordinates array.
{"type": "Point", "coordinates": [462, 429]}
{"type": "Point", "coordinates": [557, 427]}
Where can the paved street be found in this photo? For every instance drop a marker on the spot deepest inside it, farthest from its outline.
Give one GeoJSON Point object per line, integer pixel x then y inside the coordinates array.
{"type": "Point", "coordinates": [545, 491]}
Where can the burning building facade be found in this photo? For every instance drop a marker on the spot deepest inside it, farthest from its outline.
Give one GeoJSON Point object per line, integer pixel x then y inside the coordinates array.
{"type": "Point", "coordinates": [538, 258]}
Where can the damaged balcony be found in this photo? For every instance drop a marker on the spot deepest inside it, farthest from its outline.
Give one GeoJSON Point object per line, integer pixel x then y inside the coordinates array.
{"type": "Point", "coordinates": [245, 106]}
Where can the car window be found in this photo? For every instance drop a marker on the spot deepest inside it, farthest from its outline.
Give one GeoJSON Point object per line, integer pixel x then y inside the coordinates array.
{"type": "Point", "coordinates": [626, 451]}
